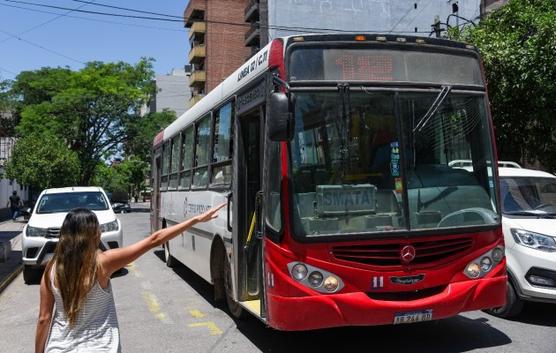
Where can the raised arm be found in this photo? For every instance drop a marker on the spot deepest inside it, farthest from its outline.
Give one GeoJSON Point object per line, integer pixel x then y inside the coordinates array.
{"type": "Point", "coordinates": [114, 259]}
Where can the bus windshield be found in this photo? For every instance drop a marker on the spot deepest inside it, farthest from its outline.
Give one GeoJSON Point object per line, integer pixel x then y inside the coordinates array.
{"type": "Point", "coordinates": [370, 162]}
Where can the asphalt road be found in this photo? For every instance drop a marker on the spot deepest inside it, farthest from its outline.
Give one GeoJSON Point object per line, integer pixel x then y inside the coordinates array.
{"type": "Point", "coordinates": [171, 310]}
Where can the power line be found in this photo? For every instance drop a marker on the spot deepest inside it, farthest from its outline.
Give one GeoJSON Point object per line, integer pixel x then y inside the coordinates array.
{"type": "Point", "coordinates": [47, 22]}
{"type": "Point", "coordinates": [95, 19]}
{"type": "Point", "coordinates": [95, 12]}
{"type": "Point", "coordinates": [298, 29]}
{"type": "Point", "coordinates": [8, 71]}
{"type": "Point", "coordinates": [128, 9]}
{"type": "Point", "coordinates": [41, 47]}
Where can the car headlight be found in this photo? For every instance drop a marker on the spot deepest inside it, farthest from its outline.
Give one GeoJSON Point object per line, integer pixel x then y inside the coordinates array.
{"type": "Point", "coordinates": [534, 240]}
{"type": "Point", "coordinates": [35, 232]}
{"type": "Point", "coordinates": [109, 227]}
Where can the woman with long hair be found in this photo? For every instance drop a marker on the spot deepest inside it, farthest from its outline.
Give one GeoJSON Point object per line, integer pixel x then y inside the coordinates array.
{"type": "Point", "coordinates": [77, 310]}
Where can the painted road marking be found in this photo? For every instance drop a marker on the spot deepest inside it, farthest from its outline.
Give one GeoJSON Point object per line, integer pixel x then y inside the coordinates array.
{"type": "Point", "coordinates": [154, 307]}
{"type": "Point", "coordinates": [133, 269]}
{"type": "Point", "coordinates": [214, 330]}
{"type": "Point", "coordinates": [196, 313]}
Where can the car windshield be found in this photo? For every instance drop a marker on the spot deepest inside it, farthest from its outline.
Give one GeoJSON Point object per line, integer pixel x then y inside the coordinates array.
{"type": "Point", "coordinates": [528, 195]}
{"type": "Point", "coordinates": [65, 202]}
{"type": "Point", "coordinates": [350, 152]}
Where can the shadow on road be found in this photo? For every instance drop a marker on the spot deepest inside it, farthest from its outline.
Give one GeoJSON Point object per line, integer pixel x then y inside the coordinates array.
{"type": "Point", "coordinates": [195, 281]}
{"type": "Point", "coordinates": [458, 334]}
{"type": "Point", "coordinates": [542, 314]}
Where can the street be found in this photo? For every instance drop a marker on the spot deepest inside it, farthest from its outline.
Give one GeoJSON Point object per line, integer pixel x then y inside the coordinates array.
{"type": "Point", "coordinates": [171, 310]}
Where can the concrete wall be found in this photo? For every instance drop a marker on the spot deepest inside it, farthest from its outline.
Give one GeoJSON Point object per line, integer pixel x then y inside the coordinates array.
{"type": "Point", "coordinates": [173, 92]}
{"type": "Point", "coordinates": [400, 16]}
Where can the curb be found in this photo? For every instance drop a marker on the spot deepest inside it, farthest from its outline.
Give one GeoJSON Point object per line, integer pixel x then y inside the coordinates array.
{"type": "Point", "coordinates": [10, 277]}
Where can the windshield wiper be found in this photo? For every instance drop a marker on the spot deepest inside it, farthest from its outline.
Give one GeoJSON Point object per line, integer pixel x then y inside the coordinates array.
{"type": "Point", "coordinates": [433, 108]}
{"type": "Point", "coordinates": [531, 213]}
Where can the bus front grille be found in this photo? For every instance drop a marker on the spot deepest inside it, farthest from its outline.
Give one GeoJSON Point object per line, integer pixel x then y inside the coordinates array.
{"type": "Point", "coordinates": [389, 253]}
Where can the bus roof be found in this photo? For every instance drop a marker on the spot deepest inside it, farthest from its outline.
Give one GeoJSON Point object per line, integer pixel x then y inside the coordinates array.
{"type": "Point", "coordinates": [272, 56]}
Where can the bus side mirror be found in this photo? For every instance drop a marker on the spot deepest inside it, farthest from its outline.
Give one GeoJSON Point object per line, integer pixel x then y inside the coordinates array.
{"type": "Point", "coordinates": [279, 120]}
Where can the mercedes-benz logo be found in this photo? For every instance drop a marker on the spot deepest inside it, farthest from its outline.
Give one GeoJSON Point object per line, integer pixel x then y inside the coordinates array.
{"type": "Point", "coordinates": [407, 254]}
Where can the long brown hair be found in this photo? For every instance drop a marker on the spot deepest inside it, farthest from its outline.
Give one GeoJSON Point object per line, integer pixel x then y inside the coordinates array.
{"type": "Point", "coordinates": [75, 259]}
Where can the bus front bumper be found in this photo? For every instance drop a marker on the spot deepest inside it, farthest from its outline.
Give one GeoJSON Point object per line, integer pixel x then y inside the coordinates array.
{"type": "Point", "coordinates": [358, 309]}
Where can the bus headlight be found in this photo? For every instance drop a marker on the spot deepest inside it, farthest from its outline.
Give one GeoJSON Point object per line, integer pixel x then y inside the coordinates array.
{"type": "Point", "coordinates": [315, 278]}
{"type": "Point", "coordinates": [473, 270]}
{"type": "Point", "coordinates": [485, 263]}
{"type": "Point", "coordinates": [299, 271]}
{"type": "Point", "coordinates": [331, 283]}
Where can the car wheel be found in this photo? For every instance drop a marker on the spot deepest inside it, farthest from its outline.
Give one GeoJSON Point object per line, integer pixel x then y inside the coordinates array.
{"type": "Point", "coordinates": [235, 309]}
{"type": "Point", "coordinates": [31, 275]}
{"type": "Point", "coordinates": [513, 306]}
{"type": "Point", "coordinates": [170, 260]}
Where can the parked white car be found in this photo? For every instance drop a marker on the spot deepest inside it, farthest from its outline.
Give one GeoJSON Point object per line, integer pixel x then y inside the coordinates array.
{"type": "Point", "coordinates": [41, 233]}
{"type": "Point", "coordinates": [528, 200]}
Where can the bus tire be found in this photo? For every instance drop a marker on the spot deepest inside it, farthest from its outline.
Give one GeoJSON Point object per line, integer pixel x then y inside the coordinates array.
{"type": "Point", "coordinates": [513, 306]}
{"type": "Point", "coordinates": [234, 307]}
{"type": "Point", "coordinates": [168, 258]}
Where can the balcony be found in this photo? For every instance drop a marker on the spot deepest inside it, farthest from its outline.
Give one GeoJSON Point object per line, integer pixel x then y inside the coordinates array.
{"type": "Point", "coordinates": [195, 99]}
{"type": "Point", "coordinates": [253, 35]}
{"type": "Point", "coordinates": [197, 54]}
{"type": "Point", "coordinates": [252, 11]}
{"type": "Point", "coordinates": [197, 78]}
{"type": "Point", "coordinates": [197, 28]}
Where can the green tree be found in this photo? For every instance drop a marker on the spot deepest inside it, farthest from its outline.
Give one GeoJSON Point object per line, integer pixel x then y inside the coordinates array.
{"type": "Point", "coordinates": [89, 109]}
{"type": "Point", "coordinates": [7, 116]}
{"type": "Point", "coordinates": [142, 131]}
{"type": "Point", "coordinates": [43, 161]}
{"type": "Point", "coordinates": [111, 178]}
{"type": "Point", "coordinates": [518, 46]}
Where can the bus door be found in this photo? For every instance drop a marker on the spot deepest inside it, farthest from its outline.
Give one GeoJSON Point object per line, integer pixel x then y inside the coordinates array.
{"type": "Point", "coordinates": [247, 197]}
{"type": "Point", "coordinates": [155, 192]}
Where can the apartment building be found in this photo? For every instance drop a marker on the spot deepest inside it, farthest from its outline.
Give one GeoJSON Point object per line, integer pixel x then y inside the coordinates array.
{"type": "Point", "coordinates": [216, 35]}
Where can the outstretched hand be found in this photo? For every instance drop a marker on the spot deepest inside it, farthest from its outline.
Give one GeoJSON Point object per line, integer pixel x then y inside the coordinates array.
{"type": "Point", "coordinates": [210, 214]}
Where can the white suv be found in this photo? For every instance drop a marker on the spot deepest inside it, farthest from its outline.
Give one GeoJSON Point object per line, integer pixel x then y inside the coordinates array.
{"type": "Point", "coordinates": [528, 200]}
{"type": "Point", "coordinates": [41, 233]}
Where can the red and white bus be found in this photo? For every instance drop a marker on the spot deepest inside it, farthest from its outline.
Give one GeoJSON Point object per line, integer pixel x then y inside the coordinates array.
{"type": "Point", "coordinates": [334, 152]}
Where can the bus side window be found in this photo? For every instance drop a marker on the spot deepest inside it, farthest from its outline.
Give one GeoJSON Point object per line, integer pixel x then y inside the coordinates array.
{"type": "Point", "coordinates": [202, 153]}
{"type": "Point", "coordinates": [221, 175]}
{"type": "Point", "coordinates": [165, 166]}
{"type": "Point", "coordinates": [187, 158]}
{"type": "Point", "coordinates": [174, 163]}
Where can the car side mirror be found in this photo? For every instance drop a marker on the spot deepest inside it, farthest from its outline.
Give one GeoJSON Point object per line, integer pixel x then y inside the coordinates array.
{"type": "Point", "coordinates": [280, 120]}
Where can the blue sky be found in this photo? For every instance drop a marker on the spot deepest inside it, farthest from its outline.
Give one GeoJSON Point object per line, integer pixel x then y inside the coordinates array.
{"type": "Point", "coordinates": [78, 40]}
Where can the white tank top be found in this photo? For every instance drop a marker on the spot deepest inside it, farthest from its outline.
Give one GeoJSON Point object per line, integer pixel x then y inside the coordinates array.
{"type": "Point", "coordinates": [96, 328]}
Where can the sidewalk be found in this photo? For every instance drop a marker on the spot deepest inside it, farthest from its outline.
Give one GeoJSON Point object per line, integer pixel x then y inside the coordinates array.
{"type": "Point", "coordinates": [10, 245]}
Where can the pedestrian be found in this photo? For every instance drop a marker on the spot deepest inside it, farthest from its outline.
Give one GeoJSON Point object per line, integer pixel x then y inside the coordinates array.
{"type": "Point", "coordinates": [77, 310]}
{"type": "Point", "coordinates": [14, 203]}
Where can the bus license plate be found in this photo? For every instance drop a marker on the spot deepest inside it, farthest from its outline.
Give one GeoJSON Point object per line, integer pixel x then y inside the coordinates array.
{"type": "Point", "coordinates": [411, 317]}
